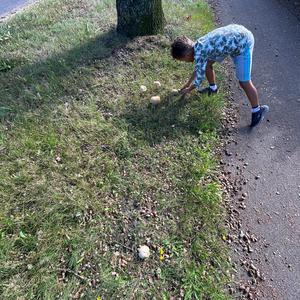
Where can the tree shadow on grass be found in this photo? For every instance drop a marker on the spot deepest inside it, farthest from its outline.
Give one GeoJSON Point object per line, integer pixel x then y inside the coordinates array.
{"type": "Point", "coordinates": [30, 86]}
{"type": "Point", "coordinates": [173, 117]}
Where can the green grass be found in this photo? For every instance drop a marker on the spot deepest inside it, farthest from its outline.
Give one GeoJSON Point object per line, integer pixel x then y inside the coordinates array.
{"type": "Point", "coordinates": [89, 170]}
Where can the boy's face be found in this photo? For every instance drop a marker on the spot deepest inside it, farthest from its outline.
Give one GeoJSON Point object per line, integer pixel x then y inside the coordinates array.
{"type": "Point", "coordinates": [187, 58]}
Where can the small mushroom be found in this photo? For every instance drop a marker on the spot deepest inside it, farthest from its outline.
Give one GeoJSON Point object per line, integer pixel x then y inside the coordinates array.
{"type": "Point", "coordinates": [155, 100]}
{"type": "Point", "coordinates": [157, 83]}
{"type": "Point", "coordinates": [144, 252]}
{"type": "Point", "coordinates": [143, 88]}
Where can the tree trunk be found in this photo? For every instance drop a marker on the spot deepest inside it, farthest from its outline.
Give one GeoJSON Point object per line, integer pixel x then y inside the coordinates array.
{"type": "Point", "coordinates": [140, 17]}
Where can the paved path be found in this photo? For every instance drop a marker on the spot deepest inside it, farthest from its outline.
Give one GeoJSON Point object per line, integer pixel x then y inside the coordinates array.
{"type": "Point", "coordinates": [8, 6]}
{"type": "Point", "coordinates": [273, 150]}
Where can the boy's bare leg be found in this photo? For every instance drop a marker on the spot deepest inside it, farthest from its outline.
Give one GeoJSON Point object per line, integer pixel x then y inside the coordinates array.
{"type": "Point", "coordinates": [210, 73]}
{"type": "Point", "coordinates": [251, 92]}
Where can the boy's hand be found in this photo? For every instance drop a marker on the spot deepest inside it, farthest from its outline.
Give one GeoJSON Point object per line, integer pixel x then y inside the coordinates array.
{"type": "Point", "coordinates": [186, 90]}
{"type": "Point", "coordinates": [189, 86]}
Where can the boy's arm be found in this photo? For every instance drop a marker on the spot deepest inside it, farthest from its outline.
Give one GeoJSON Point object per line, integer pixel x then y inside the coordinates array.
{"type": "Point", "coordinates": [188, 87]}
{"type": "Point", "coordinates": [191, 80]}
{"type": "Point", "coordinates": [200, 69]}
{"type": "Point", "coordinates": [198, 74]}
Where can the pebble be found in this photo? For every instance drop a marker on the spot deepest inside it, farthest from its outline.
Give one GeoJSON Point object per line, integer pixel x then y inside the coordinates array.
{"type": "Point", "coordinates": [228, 153]}
{"type": "Point", "coordinates": [250, 250]}
{"type": "Point", "coordinates": [157, 83]}
{"type": "Point", "coordinates": [242, 205]}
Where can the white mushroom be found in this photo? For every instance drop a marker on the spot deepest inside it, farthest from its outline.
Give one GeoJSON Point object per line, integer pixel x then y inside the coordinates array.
{"type": "Point", "coordinates": [143, 88]}
{"type": "Point", "coordinates": [144, 252]}
{"type": "Point", "coordinates": [157, 83]}
{"type": "Point", "coordinates": [155, 100]}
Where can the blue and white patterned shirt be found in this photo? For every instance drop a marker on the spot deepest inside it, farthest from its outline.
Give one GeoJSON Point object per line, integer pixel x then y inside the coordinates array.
{"type": "Point", "coordinates": [216, 45]}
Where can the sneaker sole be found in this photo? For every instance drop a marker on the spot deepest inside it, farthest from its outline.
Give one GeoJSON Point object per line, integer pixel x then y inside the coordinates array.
{"type": "Point", "coordinates": [209, 93]}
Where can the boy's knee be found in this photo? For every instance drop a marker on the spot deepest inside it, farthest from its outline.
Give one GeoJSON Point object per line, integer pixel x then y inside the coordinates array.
{"type": "Point", "coordinates": [244, 83]}
{"type": "Point", "coordinates": [210, 63]}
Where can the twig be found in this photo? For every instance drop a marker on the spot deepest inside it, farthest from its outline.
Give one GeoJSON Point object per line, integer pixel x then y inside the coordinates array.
{"type": "Point", "coordinates": [74, 273]}
{"type": "Point", "coordinates": [126, 247]}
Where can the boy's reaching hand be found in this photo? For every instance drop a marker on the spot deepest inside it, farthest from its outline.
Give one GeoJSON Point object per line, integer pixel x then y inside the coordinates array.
{"type": "Point", "coordinates": [189, 86]}
{"type": "Point", "coordinates": [186, 90]}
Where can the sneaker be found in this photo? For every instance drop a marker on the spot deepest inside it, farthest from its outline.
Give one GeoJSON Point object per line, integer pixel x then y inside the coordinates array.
{"type": "Point", "coordinates": [208, 91]}
{"type": "Point", "coordinates": [257, 117]}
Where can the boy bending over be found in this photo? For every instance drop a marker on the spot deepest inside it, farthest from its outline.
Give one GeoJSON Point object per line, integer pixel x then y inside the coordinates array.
{"type": "Point", "coordinates": [233, 40]}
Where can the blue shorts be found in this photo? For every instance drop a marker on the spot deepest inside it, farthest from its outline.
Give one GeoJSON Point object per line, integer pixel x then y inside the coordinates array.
{"type": "Point", "coordinates": [243, 64]}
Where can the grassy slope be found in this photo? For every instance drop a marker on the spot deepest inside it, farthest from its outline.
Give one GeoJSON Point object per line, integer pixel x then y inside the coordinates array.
{"type": "Point", "coordinates": [89, 171]}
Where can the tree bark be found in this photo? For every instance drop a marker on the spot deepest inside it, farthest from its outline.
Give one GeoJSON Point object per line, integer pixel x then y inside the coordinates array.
{"type": "Point", "coordinates": [140, 17]}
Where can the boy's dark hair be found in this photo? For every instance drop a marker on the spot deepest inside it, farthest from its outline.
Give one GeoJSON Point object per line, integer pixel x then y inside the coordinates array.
{"type": "Point", "coordinates": [181, 47]}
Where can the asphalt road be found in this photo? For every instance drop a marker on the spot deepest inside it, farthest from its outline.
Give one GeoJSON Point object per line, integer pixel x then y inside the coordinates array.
{"type": "Point", "coordinates": [8, 6]}
{"type": "Point", "coordinates": [272, 151]}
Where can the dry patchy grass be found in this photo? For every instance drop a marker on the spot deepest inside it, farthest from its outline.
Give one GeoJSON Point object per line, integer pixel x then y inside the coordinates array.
{"type": "Point", "coordinates": [89, 170]}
